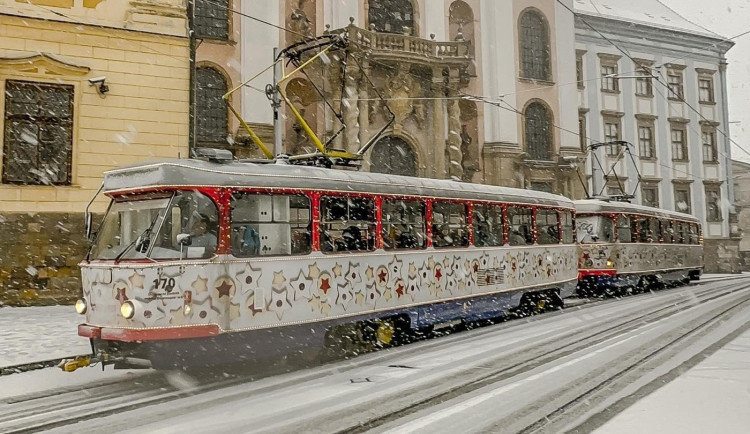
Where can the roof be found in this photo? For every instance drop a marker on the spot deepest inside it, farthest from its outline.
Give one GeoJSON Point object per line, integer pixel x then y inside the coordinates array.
{"type": "Point", "coordinates": [652, 13]}
{"type": "Point", "coordinates": [600, 206]}
{"type": "Point", "coordinates": [183, 172]}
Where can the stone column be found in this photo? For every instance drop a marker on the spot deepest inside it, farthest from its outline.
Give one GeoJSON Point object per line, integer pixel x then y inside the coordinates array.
{"type": "Point", "coordinates": [455, 156]}
{"type": "Point", "coordinates": [437, 148]}
{"type": "Point", "coordinates": [350, 107]}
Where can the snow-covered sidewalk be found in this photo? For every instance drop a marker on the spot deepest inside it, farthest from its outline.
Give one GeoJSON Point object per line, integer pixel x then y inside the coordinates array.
{"type": "Point", "coordinates": [34, 334]}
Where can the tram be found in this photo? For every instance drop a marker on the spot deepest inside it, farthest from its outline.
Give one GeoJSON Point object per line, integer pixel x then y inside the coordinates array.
{"type": "Point", "coordinates": [625, 248]}
{"type": "Point", "coordinates": [199, 262]}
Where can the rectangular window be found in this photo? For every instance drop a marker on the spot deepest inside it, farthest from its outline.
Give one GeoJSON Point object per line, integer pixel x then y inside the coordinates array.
{"type": "Point", "coordinates": [265, 225]}
{"type": "Point", "coordinates": [609, 78]}
{"type": "Point", "coordinates": [643, 84]}
{"type": "Point", "coordinates": [713, 204]}
{"type": "Point", "coordinates": [612, 134]}
{"type": "Point", "coordinates": [674, 81]}
{"type": "Point", "coordinates": [709, 146]}
{"type": "Point", "coordinates": [706, 90]}
{"type": "Point", "coordinates": [38, 133]}
{"type": "Point", "coordinates": [211, 19]}
{"type": "Point", "coordinates": [682, 199]}
{"type": "Point", "coordinates": [693, 233]}
{"type": "Point", "coordinates": [667, 231]}
{"type": "Point", "coordinates": [404, 224]}
{"type": "Point", "coordinates": [347, 224]}
{"type": "Point", "coordinates": [679, 147]}
{"type": "Point", "coordinates": [520, 226]}
{"type": "Point", "coordinates": [488, 225]}
{"type": "Point", "coordinates": [579, 71]}
{"type": "Point", "coordinates": [650, 195]}
{"type": "Point", "coordinates": [546, 227]}
{"type": "Point", "coordinates": [449, 227]}
{"type": "Point", "coordinates": [646, 141]}
{"type": "Point", "coordinates": [567, 223]}
{"type": "Point", "coordinates": [582, 131]}
{"type": "Point", "coordinates": [624, 229]}
{"type": "Point", "coordinates": [644, 230]}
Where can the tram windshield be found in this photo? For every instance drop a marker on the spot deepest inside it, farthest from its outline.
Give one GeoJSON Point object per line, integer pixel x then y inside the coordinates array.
{"type": "Point", "coordinates": [166, 226]}
{"type": "Point", "coordinates": [594, 229]}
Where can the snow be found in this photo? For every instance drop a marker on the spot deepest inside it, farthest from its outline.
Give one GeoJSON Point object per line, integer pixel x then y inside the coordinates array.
{"type": "Point", "coordinates": [34, 334]}
{"type": "Point", "coordinates": [711, 397]}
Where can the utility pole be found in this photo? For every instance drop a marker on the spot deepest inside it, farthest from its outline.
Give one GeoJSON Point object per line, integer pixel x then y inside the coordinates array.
{"type": "Point", "coordinates": [276, 105]}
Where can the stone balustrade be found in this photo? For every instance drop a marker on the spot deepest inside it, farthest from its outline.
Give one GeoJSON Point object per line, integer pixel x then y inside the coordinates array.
{"type": "Point", "coordinates": [411, 46]}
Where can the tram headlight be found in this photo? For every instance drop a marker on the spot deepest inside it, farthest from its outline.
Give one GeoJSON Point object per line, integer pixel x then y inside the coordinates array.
{"type": "Point", "coordinates": [81, 306]}
{"type": "Point", "coordinates": [127, 309]}
{"type": "Point", "coordinates": [610, 264]}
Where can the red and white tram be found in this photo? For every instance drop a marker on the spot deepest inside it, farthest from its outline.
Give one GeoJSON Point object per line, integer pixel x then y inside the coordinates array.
{"type": "Point", "coordinates": [197, 262]}
{"type": "Point", "coordinates": [625, 247]}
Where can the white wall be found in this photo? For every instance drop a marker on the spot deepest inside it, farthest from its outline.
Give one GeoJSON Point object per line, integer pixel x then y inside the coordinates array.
{"type": "Point", "coordinates": [258, 41]}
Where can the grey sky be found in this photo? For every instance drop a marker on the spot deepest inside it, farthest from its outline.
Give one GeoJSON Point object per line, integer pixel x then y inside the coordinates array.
{"type": "Point", "coordinates": [729, 18]}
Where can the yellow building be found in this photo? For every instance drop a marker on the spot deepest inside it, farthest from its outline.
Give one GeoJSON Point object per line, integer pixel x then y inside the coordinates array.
{"type": "Point", "coordinates": [89, 85]}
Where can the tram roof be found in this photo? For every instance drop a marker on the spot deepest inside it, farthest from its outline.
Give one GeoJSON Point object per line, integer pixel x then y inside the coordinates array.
{"type": "Point", "coordinates": [189, 172]}
{"type": "Point", "coordinates": [601, 206]}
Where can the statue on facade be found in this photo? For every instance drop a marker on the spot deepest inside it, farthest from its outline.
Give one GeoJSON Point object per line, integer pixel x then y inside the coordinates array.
{"type": "Point", "coordinates": [299, 23]}
{"type": "Point", "coordinates": [467, 162]}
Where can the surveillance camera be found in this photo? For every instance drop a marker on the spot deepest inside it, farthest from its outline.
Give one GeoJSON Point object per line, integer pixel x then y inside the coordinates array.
{"type": "Point", "coordinates": [96, 80]}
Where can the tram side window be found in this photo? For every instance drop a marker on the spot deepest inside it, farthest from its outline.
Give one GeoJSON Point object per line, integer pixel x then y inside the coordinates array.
{"type": "Point", "coordinates": [693, 233]}
{"type": "Point", "coordinates": [190, 229]}
{"type": "Point", "coordinates": [488, 225]}
{"type": "Point", "coordinates": [667, 231]}
{"type": "Point", "coordinates": [644, 230]}
{"type": "Point", "coordinates": [404, 224]}
{"type": "Point", "coordinates": [566, 220]}
{"type": "Point", "coordinates": [679, 234]}
{"type": "Point", "coordinates": [519, 226]}
{"type": "Point", "coordinates": [546, 226]}
{"type": "Point", "coordinates": [624, 229]}
{"type": "Point", "coordinates": [449, 228]}
{"type": "Point", "coordinates": [347, 225]}
{"type": "Point", "coordinates": [266, 225]}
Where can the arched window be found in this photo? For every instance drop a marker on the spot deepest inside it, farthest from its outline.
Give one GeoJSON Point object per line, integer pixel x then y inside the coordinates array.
{"type": "Point", "coordinates": [538, 132]}
{"type": "Point", "coordinates": [461, 20]}
{"type": "Point", "coordinates": [211, 19]}
{"type": "Point", "coordinates": [391, 16]}
{"type": "Point", "coordinates": [394, 156]}
{"type": "Point", "coordinates": [211, 123]}
{"type": "Point", "coordinates": [535, 46]}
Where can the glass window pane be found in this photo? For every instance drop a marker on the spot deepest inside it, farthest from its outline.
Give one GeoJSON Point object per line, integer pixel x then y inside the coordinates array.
{"type": "Point", "coordinates": [347, 225]}
{"type": "Point", "coordinates": [449, 227]}
{"type": "Point", "coordinates": [488, 225]}
{"type": "Point", "coordinates": [520, 231]}
{"type": "Point", "coordinates": [404, 224]}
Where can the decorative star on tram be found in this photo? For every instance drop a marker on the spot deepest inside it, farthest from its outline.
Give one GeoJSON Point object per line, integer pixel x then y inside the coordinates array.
{"type": "Point", "coordinates": [224, 288]}
{"type": "Point", "coordinates": [325, 284]}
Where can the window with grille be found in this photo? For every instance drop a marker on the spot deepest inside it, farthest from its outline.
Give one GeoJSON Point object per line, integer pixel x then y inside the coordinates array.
{"type": "Point", "coordinates": [643, 84]}
{"type": "Point", "coordinates": [392, 16]}
{"type": "Point", "coordinates": [706, 90]}
{"type": "Point", "coordinates": [650, 195]}
{"type": "Point", "coordinates": [612, 134]}
{"type": "Point", "coordinates": [679, 147]}
{"type": "Point", "coordinates": [538, 132]}
{"type": "Point", "coordinates": [610, 82]}
{"type": "Point", "coordinates": [674, 81]}
{"type": "Point", "coordinates": [713, 204]}
{"type": "Point", "coordinates": [646, 141]}
{"type": "Point", "coordinates": [211, 19]}
{"type": "Point", "coordinates": [709, 147]}
{"type": "Point", "coordinates": [211, 122]}
{"type": "Point", "coordinates": [535, 47]}
{"type": "Point", "coordinates": [682, 199]}
{"type": "Point", "coordinates": [38, 133]}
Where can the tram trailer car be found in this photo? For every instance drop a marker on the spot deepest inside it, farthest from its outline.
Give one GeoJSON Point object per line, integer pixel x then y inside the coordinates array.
{"type": "Point", "coordinates": [198, 263]}
{"type": "Point", "coordinates": [625, 248]}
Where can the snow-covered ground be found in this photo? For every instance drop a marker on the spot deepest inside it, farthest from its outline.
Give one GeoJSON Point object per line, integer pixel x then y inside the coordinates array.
{"type": "Point", "coordinates": [713, 396]}
{"type": "Point", "coordinates": [34, 334]}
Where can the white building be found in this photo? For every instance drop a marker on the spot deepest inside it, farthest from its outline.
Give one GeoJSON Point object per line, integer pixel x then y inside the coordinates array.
{"type": "Point", "coordinates": [649, 77]}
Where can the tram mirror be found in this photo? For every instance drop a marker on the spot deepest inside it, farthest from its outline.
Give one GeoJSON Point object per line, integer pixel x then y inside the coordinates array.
{"type": "Point", "coordinates": [184, 239]}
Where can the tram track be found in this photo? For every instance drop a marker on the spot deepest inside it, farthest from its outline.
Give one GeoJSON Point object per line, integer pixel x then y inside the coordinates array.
{"type": "Point", "coordinates": [61, 408]}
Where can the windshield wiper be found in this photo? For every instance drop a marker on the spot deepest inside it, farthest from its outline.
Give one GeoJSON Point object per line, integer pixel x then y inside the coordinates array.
{"type": "Point", "coordinates": [146, 233]}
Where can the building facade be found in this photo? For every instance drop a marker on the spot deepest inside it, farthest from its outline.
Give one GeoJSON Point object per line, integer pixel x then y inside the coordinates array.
{"type": "Point", "coordinates": [473, 85]}
{"type": "Point", "coordinates": [741, 178]}
{"type": "Point", "coordinates": [88, 86]}
{"type": "Point", "coordinates": [649, 77]}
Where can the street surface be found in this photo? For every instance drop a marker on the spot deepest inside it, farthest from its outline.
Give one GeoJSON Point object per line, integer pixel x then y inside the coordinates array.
{"type": "Point", "coordinates": [670, 361]}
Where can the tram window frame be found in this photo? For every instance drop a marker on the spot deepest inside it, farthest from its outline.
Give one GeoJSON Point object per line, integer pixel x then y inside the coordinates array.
{"type": "Point", "coordinates": [678, 232]}
{"type": "Point", "coordinates": [257, 242]}
{"type": "Point", "coordinates": [547, 227]}
{"type": "Point", "coordinates": [457, 226]}
{"type": "Point", "coordinates": [568, 230]}
{"type": "Point", "coordinates": [488, 225]}
{"type": "Point", "coordinates": [693, 234]}
{"type": "Point", "coordinates": [643, 227]}
{"type": "Point", "coordinates": [200, 206]}
{"type": "Point", "coordinates": [517, 235]}
{"type": "Point", "coordinates": [667, 231]}
{"type": "Point", "coordinates": [620, 227]}
{"type": "Point", "coordinates": [342, 243]}
{"type": "Point", "coordinates": [417, 228]}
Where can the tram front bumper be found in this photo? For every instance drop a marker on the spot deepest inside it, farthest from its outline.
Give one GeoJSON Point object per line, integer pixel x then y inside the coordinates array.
{"type": "Point", "coordinates": [151, 334]}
